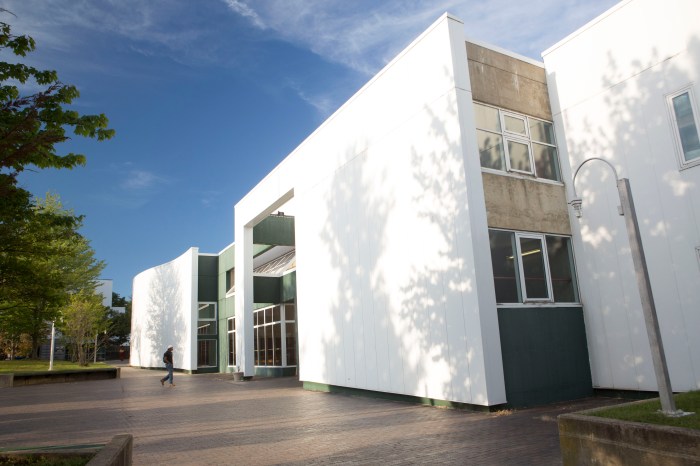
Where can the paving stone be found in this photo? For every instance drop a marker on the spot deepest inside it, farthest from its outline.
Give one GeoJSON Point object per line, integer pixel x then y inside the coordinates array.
{"type": "Point", "coordinates": [211, 419]}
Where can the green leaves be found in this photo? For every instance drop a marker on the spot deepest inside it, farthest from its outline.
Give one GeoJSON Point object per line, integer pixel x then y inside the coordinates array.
{"type": "Point", "coordinates": [44, 261]}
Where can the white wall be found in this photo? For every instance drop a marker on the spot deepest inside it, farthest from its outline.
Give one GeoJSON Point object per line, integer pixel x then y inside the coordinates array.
{"type": "Point", "coordinates": [163, 312]}
{"type": "Point", "coordinates": [608, 83]}
{"type": "Point", "coordinates": [390, 230]}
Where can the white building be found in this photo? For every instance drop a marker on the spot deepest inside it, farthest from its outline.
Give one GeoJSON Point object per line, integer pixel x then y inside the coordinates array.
{"type": "Point", "coordinates": [432, 254]}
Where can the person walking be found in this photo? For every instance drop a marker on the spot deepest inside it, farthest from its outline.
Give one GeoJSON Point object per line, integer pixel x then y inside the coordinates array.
{"type": "Point", "coordinates": [168, 360]}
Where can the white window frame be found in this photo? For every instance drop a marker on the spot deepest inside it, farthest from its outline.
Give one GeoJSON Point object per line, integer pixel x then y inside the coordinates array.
{"type": "Point", "coordinates": [214, 320]}
{"type": "Point", "coordinates": [228, 341]}
{"type": "Point", "coordinates": [683, 163]}
{"type": "Point", "coordinates": [545, 262]}
{"type": "Point", "coordinates": [525, 139]}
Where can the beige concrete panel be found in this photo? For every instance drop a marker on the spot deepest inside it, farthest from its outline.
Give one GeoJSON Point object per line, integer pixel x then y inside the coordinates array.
{"type": "Point", "coordinates": [507, 82]}
{"type": "Point", "coordinates": [526, 205]}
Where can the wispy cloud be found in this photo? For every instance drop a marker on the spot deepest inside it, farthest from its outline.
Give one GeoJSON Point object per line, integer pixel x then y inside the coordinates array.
{"type": "Point", "coordinates": [140, 180]}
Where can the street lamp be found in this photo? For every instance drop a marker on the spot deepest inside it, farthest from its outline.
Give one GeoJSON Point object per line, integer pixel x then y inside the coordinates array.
{"type": "Point", "coordinates": [626, 209]}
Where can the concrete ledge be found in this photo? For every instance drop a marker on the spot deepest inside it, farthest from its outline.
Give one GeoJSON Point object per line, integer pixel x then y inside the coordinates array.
{"type": "Point", "coordinates": [116, 453]}
{"type": "Point", "coordinates": [589, 440]}
{"type": "Point", "coordinates": [62, 376]}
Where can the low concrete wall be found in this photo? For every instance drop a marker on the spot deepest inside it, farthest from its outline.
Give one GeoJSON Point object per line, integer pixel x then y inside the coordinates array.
{"type": "Point", "coordinates": [116, 453]}
{"type": "Point", "coordinates": [589, 440]}
{"type": "Point", "coordinates": [62, 376]}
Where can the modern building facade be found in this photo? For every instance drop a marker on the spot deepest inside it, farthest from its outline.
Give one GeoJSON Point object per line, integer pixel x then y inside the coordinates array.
{"type": "Point", "coordinates": [428, 249]}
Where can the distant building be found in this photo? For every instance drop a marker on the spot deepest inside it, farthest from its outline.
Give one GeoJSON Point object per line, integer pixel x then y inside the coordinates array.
{"type": "Point", "coordinates": [428, 250]}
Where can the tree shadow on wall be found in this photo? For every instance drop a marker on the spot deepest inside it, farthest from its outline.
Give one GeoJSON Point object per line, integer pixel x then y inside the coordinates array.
{"type": "Point", "coordinates": [394, 242]}
{"type": "Point", "coordinates": [635, 95]}
{"type": "Point", "coordinates": [165, 325]}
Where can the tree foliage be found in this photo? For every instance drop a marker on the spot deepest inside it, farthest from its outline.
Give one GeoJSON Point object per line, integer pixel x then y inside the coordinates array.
{"type": "Point", "coordinates": [43, 258]}
{"type": "Point", "coordinates": [32, 125]}
{"type": "Point", "coordinates": [83, 319]}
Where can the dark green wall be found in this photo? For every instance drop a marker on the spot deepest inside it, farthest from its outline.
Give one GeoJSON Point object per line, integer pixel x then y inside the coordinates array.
{"type": "Point", "coordinates": [545, 355]}
{"type": "Point", "coordinates": [207, 289]}
{"type": "Point", "coordinates": [275, 230]}
{"type": "Point", "coordinates": [289, 287]}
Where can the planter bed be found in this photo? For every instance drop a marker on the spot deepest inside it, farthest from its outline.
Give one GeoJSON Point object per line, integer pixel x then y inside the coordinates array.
{"type": "Point", "coordinates": [588, 440]}
{"type": "Point", "coordinates": [61, 376]}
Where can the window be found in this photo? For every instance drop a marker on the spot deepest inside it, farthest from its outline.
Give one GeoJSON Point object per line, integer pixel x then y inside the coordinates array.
{"type": "Point", "coordinates": [206, 353]}
{"type": "Point", "coordinates": [230, 281]}
{"type": "Point", "coordinates": [275, 336]}
{"type": "Point", "coordinates": [685, 123]}
{"type": "Point", "coordinates": [206, 322]}
{"type": "Point", "coordinates": [231, 341]}
{"type": "Point", "coordinates": [531, 267]}
{"type": "Point", "coordinates": [511, 142]}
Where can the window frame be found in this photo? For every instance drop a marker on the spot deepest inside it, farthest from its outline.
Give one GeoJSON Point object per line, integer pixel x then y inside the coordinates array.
{"type": "Point", "coordinates": [231, 348]}
{"type": "Point", "coordinates": [525, 139]}
{"type": "Point", "coordinates": [545, 264]}
{"type": "Point", "coordinates": [678, 142]}
{"type": "Point", "coordinates": [212, 320]}
{"type": "Point", "coordinates": [520, 277]}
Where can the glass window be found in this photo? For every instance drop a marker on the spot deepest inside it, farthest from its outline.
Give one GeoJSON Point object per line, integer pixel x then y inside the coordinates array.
{"type": "Point", "coordinates": [490, 150]}
{"type": "Point", "coordinates": [541, 131]}
{"type": "Point", "coordinates": [487, 118]}
{"type": "Point", "coordinates": [546, 161]}
{"type": "Point", "coordinates": [686, 125]}
{"type": "Point", "coordinates": [206, 353]}
{"type": "Point", "coordinates": [206, 324]}
{"type": "Point", "coordinates": [291, 344]}
{"type": "Point", "coordinates": [231, 281]}
{"type": "Point", "coordinates": [515, 124]}
{"type": "Point", "coordinates": [511, 142]}
{"type": "Point", "coordinates": [561, 266]}
{"type": "Point", "coordinates": [232, 341]}
{"type": "Point", "coordinates": [532, 267]}
{"type": "Point", "coordinates": [519, 156]}
{"type": "Point", "coordinates": [505, 265]}
{"type": "Point", "coordinates": [275, 336]}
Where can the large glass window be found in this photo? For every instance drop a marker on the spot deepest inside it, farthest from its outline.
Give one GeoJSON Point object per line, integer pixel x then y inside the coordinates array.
{"type": "Point", "coordinates": [512, 142]}
{"type": "Point", "coordinates": [231, 341]}
{"type": "Point", "coordinates": [686, 125]}
{"type": "Point", "coordinates": [275, 336]}
{"type": "Point", "coordinates": [206, 323]}
{"type": "Point", "coordinates": [206, 353]}
{"type": "Point", "coordinates": [530, 267]}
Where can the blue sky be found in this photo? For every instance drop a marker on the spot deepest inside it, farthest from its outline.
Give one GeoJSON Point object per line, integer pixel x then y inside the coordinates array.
{"type": "Point", "coordinates": [207, 96]}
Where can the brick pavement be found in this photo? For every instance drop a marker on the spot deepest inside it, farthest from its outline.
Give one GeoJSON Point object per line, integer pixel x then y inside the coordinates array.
{"type": "Point", "coordinates": [210, 419]}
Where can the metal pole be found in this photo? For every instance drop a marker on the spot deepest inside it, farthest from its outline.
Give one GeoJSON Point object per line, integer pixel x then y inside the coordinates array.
{"type": "Point", "coordinates": [668, 405]}
{"type": "Point", "coordinates": [53, 338]}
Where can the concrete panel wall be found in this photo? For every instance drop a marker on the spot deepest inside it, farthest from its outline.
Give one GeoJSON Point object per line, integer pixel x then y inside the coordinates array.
{"type": "Point", "coordinates": [390, 231]}
{"type": "Point", "coordinates": [507, 82]}
{"type": "Point", "coordinates": [164, 303]}
{"type": "Point", "coordinates": [609, 100]}
{"type": "Point", "coordinates": [526, 205]}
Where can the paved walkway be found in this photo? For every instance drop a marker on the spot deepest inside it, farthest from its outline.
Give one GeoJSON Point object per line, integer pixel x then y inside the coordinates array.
{"type": "Point", "coordinates": [210, 419]}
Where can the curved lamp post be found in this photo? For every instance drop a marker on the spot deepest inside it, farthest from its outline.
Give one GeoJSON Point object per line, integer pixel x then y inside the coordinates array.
{"type": "Point", "coordinates": [668, 406]}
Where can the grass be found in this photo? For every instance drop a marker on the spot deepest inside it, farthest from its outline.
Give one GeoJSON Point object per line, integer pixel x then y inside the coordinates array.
{"type": "Point", "coordinates": [649, 412]}
{"type": "Point", "coordinates": [37, 365]}
{"type": "Point", "coordinates": [40, 460]}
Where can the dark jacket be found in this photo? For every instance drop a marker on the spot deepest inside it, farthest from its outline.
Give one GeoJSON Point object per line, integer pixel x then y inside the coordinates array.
{"type": "Point", "coordinates": [168, 357]}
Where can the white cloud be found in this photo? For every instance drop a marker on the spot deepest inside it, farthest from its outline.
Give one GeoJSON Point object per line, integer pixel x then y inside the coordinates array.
{"type": "Point", "coordinates": [139, 180]}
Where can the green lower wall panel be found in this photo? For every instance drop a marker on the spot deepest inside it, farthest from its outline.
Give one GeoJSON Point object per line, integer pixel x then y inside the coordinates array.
{"type": "Point", "coordinates": [262, 371]}
{"type": "Point", "coordinates": [321, 387]}
{"type": "Point", "coordinates": [545, 355]}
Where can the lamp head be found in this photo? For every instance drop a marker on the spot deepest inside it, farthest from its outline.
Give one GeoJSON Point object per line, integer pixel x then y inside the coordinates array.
{"type": "Point", "coordinates": [576, 203]}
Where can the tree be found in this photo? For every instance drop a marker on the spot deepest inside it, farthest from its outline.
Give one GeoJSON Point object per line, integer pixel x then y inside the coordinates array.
{"type": "Point", "coordinates": [36, 241]}
{"type": "Point", "coordinates": [83, 318]}
{"type": "Point", "coordinates": [55, 262]}
{"type": "Point", "coordinates": [32, 125]}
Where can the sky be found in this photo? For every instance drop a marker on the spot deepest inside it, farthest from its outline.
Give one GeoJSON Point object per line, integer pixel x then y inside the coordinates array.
{"type": "Point", "coordinates": [208, 96]}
